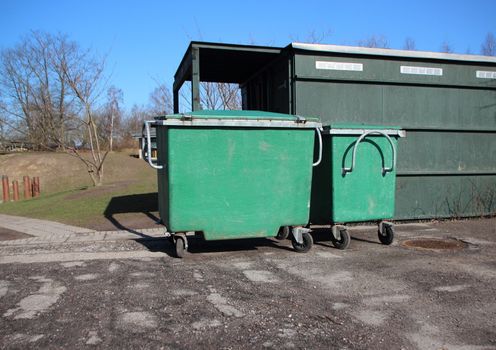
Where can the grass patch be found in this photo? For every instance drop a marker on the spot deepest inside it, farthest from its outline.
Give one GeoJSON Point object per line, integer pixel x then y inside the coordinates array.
{"type": "Point", "coordinates": [95, 207]}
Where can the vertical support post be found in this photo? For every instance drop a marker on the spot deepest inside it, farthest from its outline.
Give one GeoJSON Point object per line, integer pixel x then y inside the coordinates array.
{"type": "Point", "coordinates": [176, 100]}
{"type": "Point", "coordinates": [6, 190]}
{"type": "Point", "coordinates": [140, 146]}
{"type": "Point", "coordinates": [37, 186]}
{"type": "Point", "coordinates": [195, 79]}
{"type": "Point", "coordinates": [15, 190]}
{"type": "Point", "coordinates": [27, 188]}
{"type": "Point", "coordinates": [30, 187]}
{"type": "Point", "coordinates": [292, 87]}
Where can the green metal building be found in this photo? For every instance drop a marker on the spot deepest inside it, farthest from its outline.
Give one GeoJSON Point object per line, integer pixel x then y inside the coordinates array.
{"type": "Point", "coordinates": [445, 102]}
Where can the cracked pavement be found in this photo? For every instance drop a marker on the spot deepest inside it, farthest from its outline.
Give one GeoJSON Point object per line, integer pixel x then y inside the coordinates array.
{"type": "Point", "coordinates": [129, 292]}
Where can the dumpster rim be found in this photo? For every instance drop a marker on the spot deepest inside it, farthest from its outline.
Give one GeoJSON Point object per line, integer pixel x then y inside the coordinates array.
{"type": "Point", "coordinates": [259, 123]}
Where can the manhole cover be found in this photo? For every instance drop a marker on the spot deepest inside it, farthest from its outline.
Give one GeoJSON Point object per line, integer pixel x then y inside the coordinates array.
{"type": "Point", "coordinates": [434, 244]}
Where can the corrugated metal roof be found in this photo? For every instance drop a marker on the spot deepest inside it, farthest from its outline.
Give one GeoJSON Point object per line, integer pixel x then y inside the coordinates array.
{"type": "Point", "coordinates": [354, 50]}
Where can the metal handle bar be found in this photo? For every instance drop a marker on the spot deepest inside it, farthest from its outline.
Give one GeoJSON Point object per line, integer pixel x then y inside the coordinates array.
{"type": "Point", "coordinates": [319, 135]}
{"type": "Point", "coordinates": [149, 145]}
{"type": "Point", "coordinates": [371, 132]}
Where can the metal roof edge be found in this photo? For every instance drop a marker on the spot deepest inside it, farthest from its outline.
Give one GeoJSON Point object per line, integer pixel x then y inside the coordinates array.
{"type": "Point", "coordinates": [213, 45]}
{"type": "Point", "coordinates": [183, 61]}
{"type": "Point", "coordinates": [391, 52]}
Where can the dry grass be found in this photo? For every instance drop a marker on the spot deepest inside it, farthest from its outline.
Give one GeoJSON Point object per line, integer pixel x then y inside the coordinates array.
{"type": "Point", "coordinates": [68, 197]}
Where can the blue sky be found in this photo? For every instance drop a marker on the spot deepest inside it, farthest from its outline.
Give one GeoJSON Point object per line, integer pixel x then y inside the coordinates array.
{"type": "Point", "coordinates": [145, 40]}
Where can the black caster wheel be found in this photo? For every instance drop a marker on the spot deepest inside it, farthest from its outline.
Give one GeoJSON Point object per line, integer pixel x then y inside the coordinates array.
{"type": "Point", "coordinates": [179, 245]}
{"type": "Point", "coordinates": [305, 246]}
{"type": "Point", "coordinates": [344, 241]}
{"type": "Point", "coordinates": [283, 233]}
{"type": "Point", "coordinates": [387, 235]}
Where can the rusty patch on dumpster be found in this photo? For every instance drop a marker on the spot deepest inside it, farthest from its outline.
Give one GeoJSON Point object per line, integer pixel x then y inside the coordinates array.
{"type": "Point", "coordinates": [434, 244]}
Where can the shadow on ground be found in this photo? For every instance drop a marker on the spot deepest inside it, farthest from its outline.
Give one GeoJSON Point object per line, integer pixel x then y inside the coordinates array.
{"type": "Point", "coordinates": [197, 245]}
{"type": "Point", "coordinates": [322, 236]}
{"type": "Point", "coordinates": [145, 203]}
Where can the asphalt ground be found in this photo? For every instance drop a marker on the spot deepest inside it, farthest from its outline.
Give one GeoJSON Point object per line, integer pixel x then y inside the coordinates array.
{"type": "Point", "coordinates": [257, 293]}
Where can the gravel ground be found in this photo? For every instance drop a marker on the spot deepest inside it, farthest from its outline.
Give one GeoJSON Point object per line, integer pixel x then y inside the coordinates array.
{"type": "Point", "coordinates": [255, 293]}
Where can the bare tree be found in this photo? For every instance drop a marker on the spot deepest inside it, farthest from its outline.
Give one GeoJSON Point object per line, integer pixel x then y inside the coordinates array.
{"type": "Point", "coordinates": [28, 89]}
{"type": "Point", "coordinates": [50, 87]}
{"type": "Point", "coordinates": [446, 47]}
{"type": "Point", "coordinates": [220, 96]}
{"type": "Point", "coordinates": [213, 95]}
{"type": "Point", "coordinates": [84, 74]}
{"type": "Point", "coordinates": [488, 47]}
{"type": "Point", "coordinates": [132, 123]}
{"type": "Point", "coordinates": [375, 42]}
{"type": "Point", "coordinates": [161, 100]}
{"type": "Point", "coordinates": [313, 37]}
{"type": "Point", "coordinates": [409, 44]}
{"type": "Point", "coordinates": [3, 125]}
{"type": "Point", "coordinates": [112, 115]}
{"type": "Point", "coordinates": [39, 103]}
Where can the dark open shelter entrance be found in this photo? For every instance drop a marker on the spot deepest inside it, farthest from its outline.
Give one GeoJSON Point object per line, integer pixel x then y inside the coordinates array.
{"type": "Point", "coordinates": [222, 63]}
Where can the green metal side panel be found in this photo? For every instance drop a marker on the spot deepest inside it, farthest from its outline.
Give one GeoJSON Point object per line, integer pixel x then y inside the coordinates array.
{"type": "Point", "coordinates": [450, 122]}
{"type": "Point", "coordinates": [447, 152]}
{"type": "Point", "coordinates": [361, 195]}
{"type": "Point", "coordinates": [163, 174]}
{"type": "Point", "coordinates": [365, 193]}
{"type": "Point", "coordinates": [384, 70]}
{"type": "Point", "coordinates": [445, 196]}
{"type": "Point", "coordinates": [234, 182]}
{"type": "Point", "coordinates": [410, 107]}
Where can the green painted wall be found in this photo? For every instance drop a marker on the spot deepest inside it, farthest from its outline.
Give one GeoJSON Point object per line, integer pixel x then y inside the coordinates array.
{"type": "Point", "coordinates": [447, 162]}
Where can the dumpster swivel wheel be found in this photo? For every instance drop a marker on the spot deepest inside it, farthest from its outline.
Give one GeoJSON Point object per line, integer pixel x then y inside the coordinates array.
{"type": "Point", "coordinates": [305, 245]}
{"type": "Point", "coordinates": [386, 233]}
{"type": "Point", "coordinates": [284, 232]}
{"type": "Point", "coordinates": [180, 245]}
{"type": "Point", "coordinates": [343, 240]}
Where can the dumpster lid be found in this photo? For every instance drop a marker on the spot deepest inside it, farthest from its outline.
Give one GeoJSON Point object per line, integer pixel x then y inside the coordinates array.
{"type": "Point", "coordinates": [245, 118]}
{"type": "Point", "coordinates": [358, 129]}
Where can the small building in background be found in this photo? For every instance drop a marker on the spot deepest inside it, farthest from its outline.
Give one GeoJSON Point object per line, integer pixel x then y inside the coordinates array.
{"type": "Point", "coordinates": [143, 149]}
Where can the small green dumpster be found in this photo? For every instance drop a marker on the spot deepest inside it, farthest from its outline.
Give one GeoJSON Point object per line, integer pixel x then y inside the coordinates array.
{"type": "Point", "coordinates": [234, 174]}
{"type": "Point", "coordinates": [356, 179]}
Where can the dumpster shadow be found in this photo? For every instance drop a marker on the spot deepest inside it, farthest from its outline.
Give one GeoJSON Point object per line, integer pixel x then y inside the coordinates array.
{"type": "Point", "coordinates": [198, 245]}
{"type": "Point", "coordinates": [157, 244]}
{"type": "Point", "coordinates": [323, 237]}
{"type": "Point", "coordinates": [366, 240]}
{"type": "Point", "coordinates": [145, 203]}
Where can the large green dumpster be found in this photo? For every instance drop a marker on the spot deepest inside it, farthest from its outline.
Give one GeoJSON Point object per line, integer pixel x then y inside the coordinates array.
{"type": "Point", "coordinates": [234, 174]}
{"type": "Point", "coordinates": [356, 180]}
